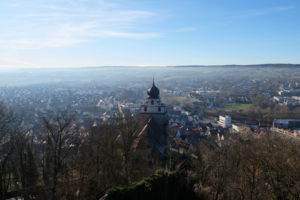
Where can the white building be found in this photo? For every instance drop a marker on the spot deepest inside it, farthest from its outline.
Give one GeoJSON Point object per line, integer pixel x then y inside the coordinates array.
{"type": "Point", "coordinates": [225, 121]}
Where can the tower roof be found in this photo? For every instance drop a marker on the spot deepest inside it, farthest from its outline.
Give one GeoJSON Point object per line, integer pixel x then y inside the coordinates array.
{"type": "Point", "coordinates": [153, 92]}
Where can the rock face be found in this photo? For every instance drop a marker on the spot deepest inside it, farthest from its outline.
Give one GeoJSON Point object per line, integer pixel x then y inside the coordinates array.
{"type": "Point", "coordinates": [160, 186]}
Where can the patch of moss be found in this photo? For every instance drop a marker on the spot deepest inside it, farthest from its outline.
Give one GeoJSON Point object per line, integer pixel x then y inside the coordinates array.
{"type": "Point", "coordinates": [161, 185]}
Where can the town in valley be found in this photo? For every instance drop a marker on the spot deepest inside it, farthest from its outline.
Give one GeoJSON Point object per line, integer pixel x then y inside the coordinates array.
{"type": "Point", "coordinates": [201, 101]}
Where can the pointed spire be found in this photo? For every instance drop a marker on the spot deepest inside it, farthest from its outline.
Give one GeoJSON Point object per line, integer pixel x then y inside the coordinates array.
{"type": "Point", "coordinates": [153, 80]}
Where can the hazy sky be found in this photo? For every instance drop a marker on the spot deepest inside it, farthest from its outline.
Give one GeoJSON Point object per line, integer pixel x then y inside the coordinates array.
{"type": "Point", "coordinates": [70, 33]}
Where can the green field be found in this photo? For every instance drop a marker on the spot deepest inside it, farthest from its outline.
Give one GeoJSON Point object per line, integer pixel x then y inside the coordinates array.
{"type": "Point", "coordinates": [239, 106]}
{"type": "Point", "coordinates": [179, 99]}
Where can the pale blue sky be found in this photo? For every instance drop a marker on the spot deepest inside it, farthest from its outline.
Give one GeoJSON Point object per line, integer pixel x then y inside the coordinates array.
{"type": "Point", "coordinates": [72, 33]}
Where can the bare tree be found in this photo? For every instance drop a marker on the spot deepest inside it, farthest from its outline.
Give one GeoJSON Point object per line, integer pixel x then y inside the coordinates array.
{"type": "Point", "coordinates": [60, 135]}
{"type": "Point", "coordinates": [7, 129]}
{"type": "Point", "coordinates": [127, 130]}
{"type": "Point", "coordinates": [24, 166]}
{"type": "Point", "coordinates": [99, 161]}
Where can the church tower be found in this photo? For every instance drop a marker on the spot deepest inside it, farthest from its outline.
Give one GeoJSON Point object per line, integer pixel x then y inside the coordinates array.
{"type": "Point", "coordinates": [153, 113]}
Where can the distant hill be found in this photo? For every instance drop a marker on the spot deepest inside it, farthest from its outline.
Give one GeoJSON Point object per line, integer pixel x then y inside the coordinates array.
{"type": "Point", "coordinates": [252, 66]}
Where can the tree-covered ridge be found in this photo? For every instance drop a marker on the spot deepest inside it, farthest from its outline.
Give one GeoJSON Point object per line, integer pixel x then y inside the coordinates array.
{"type": "Point", "coordinates": [265, 167]}
{"type": "Point", "coordinates": [103, 162]}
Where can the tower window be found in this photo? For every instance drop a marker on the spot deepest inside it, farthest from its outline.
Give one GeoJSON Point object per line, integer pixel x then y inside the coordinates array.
{"type": "Point", "coordinates": [145, 108]}
{"type": "Point", "coordinates": [159, 109]}
{"type": "Point", "coordinates": [152, 102]}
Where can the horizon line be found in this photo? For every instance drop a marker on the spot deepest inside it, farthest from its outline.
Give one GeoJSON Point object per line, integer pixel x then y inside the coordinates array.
{"type": "Point", "coordinates": [149, 66]}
